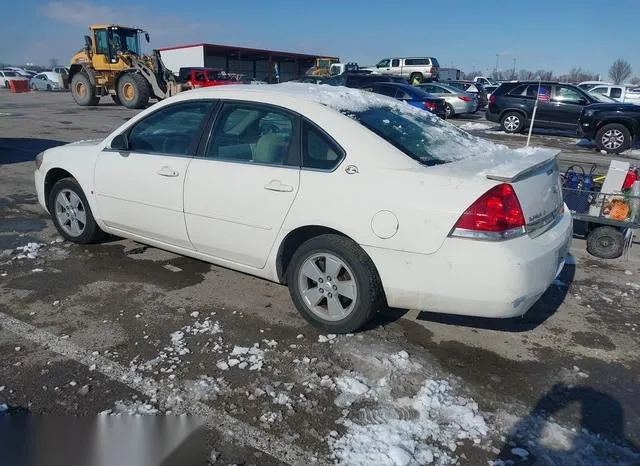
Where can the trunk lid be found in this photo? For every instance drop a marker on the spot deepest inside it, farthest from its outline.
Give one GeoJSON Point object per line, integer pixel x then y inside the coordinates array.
{"type": "Point", "coordinates": [536, 181]}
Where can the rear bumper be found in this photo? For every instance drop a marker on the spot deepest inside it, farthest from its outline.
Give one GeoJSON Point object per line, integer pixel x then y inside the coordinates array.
{"type": "Point", "coordinates": [476, 278]}
{"type": "Point", "coordinates": [491, 116]}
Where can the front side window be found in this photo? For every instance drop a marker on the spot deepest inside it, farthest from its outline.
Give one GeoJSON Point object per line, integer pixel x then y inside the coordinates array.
{"type": "Point", "coordinates": [599, 90]}
{"type": "Point", "coordinates": [171, 130]}
{"type": "Point", "coordinates": [254, 134]}
{"type": "Point", "coordinates": [395, 63]}
{"type": "Point", "coordinates": [567, 95]}
{"type": "Point", "coordinates": [383, 63]}
{"type": "Point", "coordinates": [319, 152]}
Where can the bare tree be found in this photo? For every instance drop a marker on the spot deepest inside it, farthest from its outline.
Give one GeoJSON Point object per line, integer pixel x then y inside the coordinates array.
{"type": "Point", "coordinates": [577, 75]}
{"type": "Point", "coordinates": [525, 75]}
{"type": "Point", "coordinates": [635, 80]}
{"type": "Point", "coordinates": [53, 62]}
{"type": "Point", "coordinates": [620, 71]}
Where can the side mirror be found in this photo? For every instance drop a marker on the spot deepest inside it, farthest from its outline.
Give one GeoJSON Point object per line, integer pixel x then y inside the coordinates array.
{"type": "Point", "coordinates": [583, 101]}
{"type": "Point", "coordinates": [87, 42]}
{"type": "Point", "coordinates": [146, 36]}
{"type": "Point", "coordinates": [120, 142]}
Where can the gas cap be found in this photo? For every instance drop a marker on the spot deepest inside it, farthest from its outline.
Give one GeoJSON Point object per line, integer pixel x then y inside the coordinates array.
{"type": "Point", "coordinates": [384, 224]}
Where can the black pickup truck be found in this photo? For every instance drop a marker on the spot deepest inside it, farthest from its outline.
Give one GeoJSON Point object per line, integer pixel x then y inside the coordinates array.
{"type": "Point", "coordinates": [613, 126]}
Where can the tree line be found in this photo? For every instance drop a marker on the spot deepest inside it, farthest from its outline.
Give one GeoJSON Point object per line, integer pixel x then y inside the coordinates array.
{"type": "Point", "coordinates": [620, 72]}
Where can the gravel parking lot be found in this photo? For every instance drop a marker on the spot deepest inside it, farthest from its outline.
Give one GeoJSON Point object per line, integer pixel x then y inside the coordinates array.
{"type": "Point", "coordinates": [120, 327]}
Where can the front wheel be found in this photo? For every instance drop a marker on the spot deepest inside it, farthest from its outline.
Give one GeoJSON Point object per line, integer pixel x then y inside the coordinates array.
{"type": "Point", "coordinates": [416, 78]}
{"type": "Point", "coordinates": [613, 138]}
{"type": "Point", "coordinates": [83, 92]}
{"type": "Point", "coordinates": [71, 213]}
{"type": "Point", "coordinates": [334, 284]}
{"type": "Point", "coordinates": [133, 91]}
{"type": "Point", "coordinates": [449, 111]}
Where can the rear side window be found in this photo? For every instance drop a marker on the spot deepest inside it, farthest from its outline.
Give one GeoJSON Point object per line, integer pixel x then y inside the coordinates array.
{"type": "Point", "coordinates": [417, 61]}
{"type": "Point", "coordinates": [520, 90]}
{"type": "Point", "coordinates": [434, 62]}
{"type": "Point", "coordinates": [319, 152]}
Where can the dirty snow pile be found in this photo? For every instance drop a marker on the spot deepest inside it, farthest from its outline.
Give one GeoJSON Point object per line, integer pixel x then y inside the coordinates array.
{"type": "Point", "coordinates": [423, 428]}
{"type": "Point", "coordinates": [470, 125]}
{"type": "Point", "coordinates": [30, 251]}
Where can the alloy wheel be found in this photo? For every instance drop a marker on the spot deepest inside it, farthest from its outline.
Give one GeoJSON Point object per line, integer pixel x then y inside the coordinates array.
{"type": "Point", "coordinates": [70, 212]}
{"type": "Point", "coordinates": [612, 139]}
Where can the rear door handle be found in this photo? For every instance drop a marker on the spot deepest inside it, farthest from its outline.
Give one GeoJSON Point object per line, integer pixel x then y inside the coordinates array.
{"type": "Point", "coordinates": [277, 185]}
{"type": "Point", "coordinates": [168, 172]}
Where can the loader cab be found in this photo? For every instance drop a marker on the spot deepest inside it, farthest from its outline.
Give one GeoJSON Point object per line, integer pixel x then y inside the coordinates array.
{"type": "Point", "coordinates": [109, 41]}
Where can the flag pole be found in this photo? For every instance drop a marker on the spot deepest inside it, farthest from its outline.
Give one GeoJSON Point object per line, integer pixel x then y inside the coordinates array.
{"type": "Point", "coordinates": [533, 115]}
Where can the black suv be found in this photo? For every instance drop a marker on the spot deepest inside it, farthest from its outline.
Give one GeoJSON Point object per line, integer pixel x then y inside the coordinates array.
{"type": "Point", "coordinates": [559, 105]}
{"type": "Point", "coordinates": [613, 126]}
{"type": "Point", "coordinates": [358, 80]}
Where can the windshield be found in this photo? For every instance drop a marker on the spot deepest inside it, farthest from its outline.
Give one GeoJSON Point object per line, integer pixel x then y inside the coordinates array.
{"type": "Point", "coordinates": [124, 40]}
{"type": "Point", "coordinates": [421, 136]}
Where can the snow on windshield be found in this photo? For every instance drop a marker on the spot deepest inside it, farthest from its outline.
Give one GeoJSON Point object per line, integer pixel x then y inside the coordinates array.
{"type": "Point", "coordinates": [419, 133]}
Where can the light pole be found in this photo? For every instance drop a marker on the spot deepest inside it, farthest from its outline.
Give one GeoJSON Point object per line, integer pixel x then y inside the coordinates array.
{"type": "Point", "coordinates": [497, 60]}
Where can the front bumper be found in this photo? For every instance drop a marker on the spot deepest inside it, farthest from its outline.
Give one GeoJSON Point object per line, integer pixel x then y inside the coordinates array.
{"type": "Point", "coordinates": [476, 278]}
{"type": "Point", "coordinates": [38, 178]}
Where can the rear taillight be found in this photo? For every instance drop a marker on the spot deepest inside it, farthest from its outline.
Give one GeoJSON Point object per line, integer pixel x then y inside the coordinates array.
{"type": "Point", "coordinates": [492, 99]}
{"type": "Point", "coordinates": [466, 98]}
{"type": "Point", "coordinates": [430, 105]}
{"type": "Point", "coordinates": [495, 216]}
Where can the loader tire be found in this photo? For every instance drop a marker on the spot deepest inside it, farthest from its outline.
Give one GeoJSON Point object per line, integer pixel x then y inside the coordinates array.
{"type": "Point", "coordinates": [133, 91]}
{"type": "Point", "coordinates": [84, 93]}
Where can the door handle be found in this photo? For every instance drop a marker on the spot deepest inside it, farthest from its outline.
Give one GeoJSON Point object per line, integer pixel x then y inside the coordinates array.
{"type": "Point", "coordinates": [168, 172]}
{"type": "Point", "coordinates": [277, 185]}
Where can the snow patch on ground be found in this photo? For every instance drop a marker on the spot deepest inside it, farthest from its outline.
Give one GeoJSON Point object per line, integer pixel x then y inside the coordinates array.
{"type": "Point", "coordinates": [470, 125]}
{"type": "Point", "coordinates": [29, 251]}
{"type": "Point", "coordinates": [131, 407]}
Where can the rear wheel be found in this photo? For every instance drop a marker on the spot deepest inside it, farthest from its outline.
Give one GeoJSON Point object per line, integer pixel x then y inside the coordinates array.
{"type": "Point", "coordinates": [84, 93]}
{"type": "Point", "coordinates": [449, 111]}
{"type": "Point", "coordinates": [49, 88]}
{"type": "Point", "coordinates": [116, 99]}
{"type": "Point", "coordinates": [613, 138]}
{"type": "Point", "coordinates": [133, 90]}
{"type": "Point", "coordinates": [416, 76]}
{"type": "Point", "coordinates": [34, 87]}
{"type": "Point", "coordinates": [512, 122]}
{"type": "Point", "coordinates": [605, 242]}
{"type": "Point", "coordinates": [334, 284]}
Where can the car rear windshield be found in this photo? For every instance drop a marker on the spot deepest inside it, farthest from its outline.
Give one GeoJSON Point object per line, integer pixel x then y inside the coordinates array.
{"type": "Point", "coordinates": [421, 136]}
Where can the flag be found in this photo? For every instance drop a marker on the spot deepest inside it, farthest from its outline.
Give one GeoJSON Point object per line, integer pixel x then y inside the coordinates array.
{"type": "Point", "coordinates": [544, 94]}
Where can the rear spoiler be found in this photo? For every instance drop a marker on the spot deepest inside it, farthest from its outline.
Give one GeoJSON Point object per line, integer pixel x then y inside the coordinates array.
{"type": "Point", "coordinates": [523, 167]}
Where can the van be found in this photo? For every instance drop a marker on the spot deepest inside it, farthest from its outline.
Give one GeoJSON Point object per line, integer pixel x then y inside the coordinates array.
{"type": "Point", "coordinates": [413, 68]}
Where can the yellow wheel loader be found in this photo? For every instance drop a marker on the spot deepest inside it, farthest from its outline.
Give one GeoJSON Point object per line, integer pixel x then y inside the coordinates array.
{"type": "Point", "coordinates": [112, 63]}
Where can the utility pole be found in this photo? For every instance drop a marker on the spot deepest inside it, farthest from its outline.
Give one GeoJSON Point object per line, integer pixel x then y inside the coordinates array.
{"type": "Point", "coordinates": [497, 60]}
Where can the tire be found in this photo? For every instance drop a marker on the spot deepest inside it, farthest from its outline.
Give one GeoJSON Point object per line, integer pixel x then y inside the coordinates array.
{"type": "Point", "coordinates": [83, 92]}
{"type": "Point", "coordinates": [78, 231]}
{"type": "Point", "coordinates": [449, 111]}
{"type": "Point", "coordinates": [34, 87]}
{"type": "Point", "coordinates": [356, 269]}
{"type": "Point", "coordinates": [416, 75]}
{"type": "Point", "coordinates": [116, 99]}
{"type": "Point", "coordinates": [613, 138]}
{"type": "Point", "coordinates": [49, 88]}
{"type": "Point", "coordinates": [512, 122]}
{"type": "Point", "coordinates": [605, 242]}
{"type": "Point", "coordinates": [133, 90]}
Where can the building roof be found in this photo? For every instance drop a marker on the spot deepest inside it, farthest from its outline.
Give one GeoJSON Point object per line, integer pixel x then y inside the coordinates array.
{"type": "Point", "coordinates": [248, 50]}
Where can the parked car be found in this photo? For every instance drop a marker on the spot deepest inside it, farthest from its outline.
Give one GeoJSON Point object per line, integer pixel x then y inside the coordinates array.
{"type": "Point", "coordinates": [472, 88]}
{"type": "Point", "coordinates": [620, 93]}
{"type": "Point", "coordinates": [457, 102]}
{"type": "Point", "coordinates": [490, 88]}
{"type": "Point", "coordinates": [485, 81]}
{"type": "Point", "coordinates": [448, 74]}
{"type": "Point", "coordinates": [60, 70]}
{"type": "Point", "coordinates": [10, 75]}
{"type": "Point", "coordinates": [359, 80]}
{"type": "Point", "coordinates": [613, 126]}
{"type": "Point", "coordinates": [205, 77]}
{"type": "Point", "coordinates": [559, 105]}
{"type": "Point", "coordinates": [587, 85]}
{"type": "Point", "coordinates": [411, 95]}
{"type": "Point", "coordinates": [46, 81]}
{"type": "Point", "coordinates": [422, 209]}
{"type": "Point", "coordinates": [417, 68]}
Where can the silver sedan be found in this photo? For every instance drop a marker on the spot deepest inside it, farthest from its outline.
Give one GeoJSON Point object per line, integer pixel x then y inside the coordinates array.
{"type": "Point", "coordinates": [45, 82]}
{"type": "Point", "coordinates": [457, 101]}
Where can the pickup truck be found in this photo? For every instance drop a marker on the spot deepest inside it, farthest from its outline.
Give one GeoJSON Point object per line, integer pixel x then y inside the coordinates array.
{"type": "Point", "coordinates": [206, 77]}
{"type": "Point", "coordinates": [613, 126]}
{"type": "Point", "coordinates": [413, 69]}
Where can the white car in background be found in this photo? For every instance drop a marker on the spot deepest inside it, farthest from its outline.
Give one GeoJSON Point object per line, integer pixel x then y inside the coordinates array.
{"type": "Point", "coordinates": [9, 75]}
{"type": "Point", "coordinates": [619, 93]}
{"type": "Point", "coordinates": [354, 200]}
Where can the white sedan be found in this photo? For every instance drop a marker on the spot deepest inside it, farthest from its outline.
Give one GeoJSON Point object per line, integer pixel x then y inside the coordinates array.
{"type": "Point", "coordinates": [355, 201]}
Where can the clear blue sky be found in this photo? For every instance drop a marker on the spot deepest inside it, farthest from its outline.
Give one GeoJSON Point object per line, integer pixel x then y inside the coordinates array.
{"type": "Point", "coordinates": [540, 34]}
